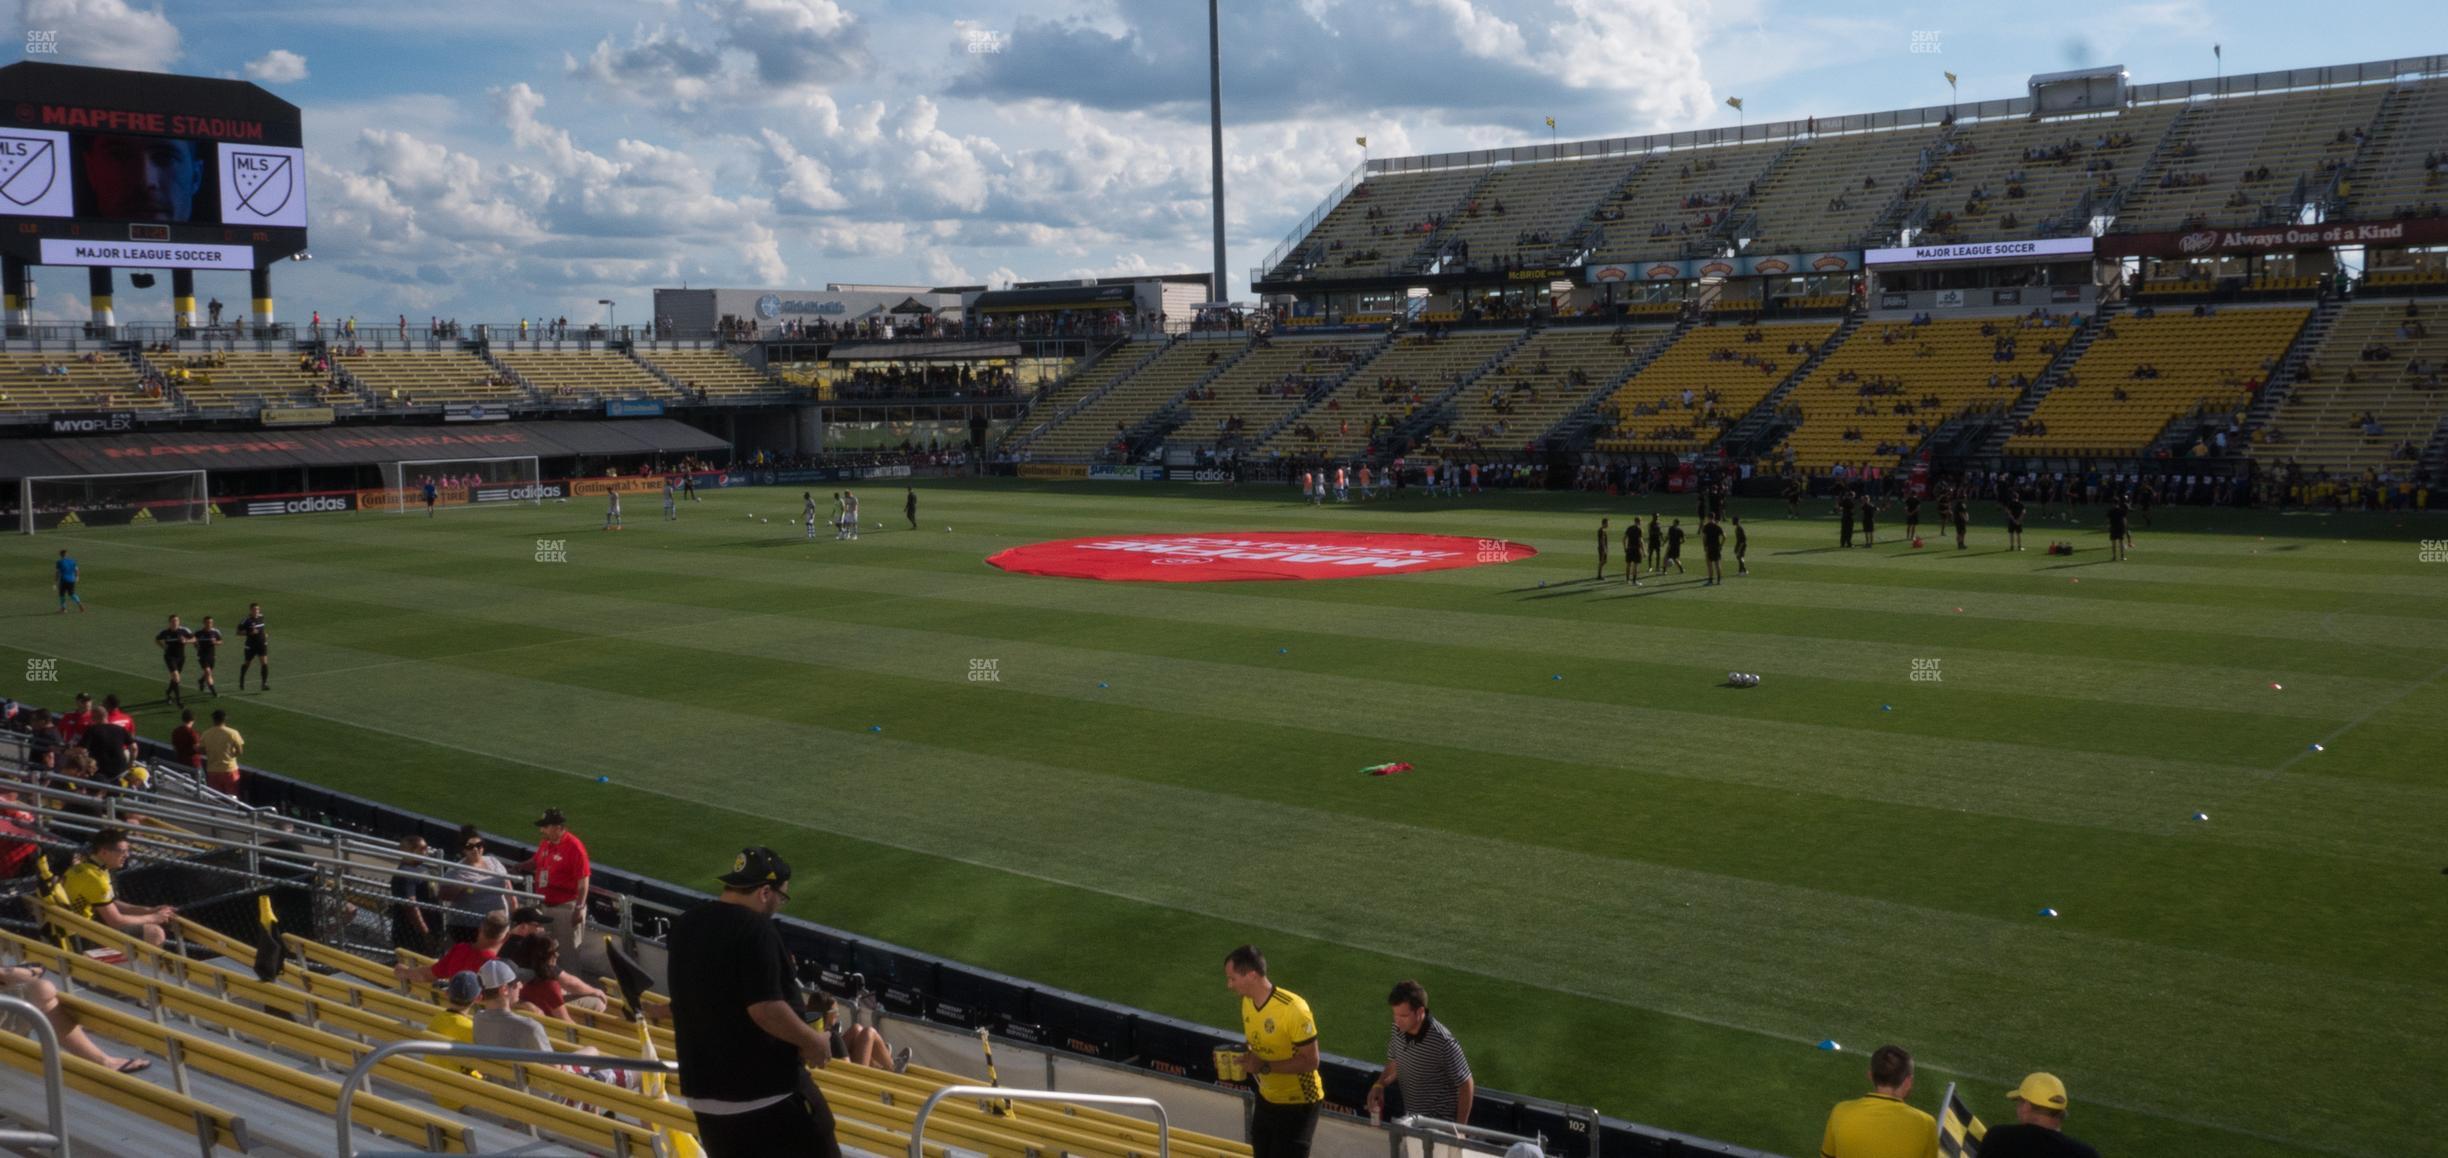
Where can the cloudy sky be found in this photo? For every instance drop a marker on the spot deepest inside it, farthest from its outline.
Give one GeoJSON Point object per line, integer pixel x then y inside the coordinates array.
{"type": "Point", "coordinates": [487, 160]}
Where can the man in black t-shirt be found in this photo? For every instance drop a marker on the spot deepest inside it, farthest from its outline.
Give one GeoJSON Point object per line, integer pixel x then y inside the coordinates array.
{"type": "Point", "coordinates": [1712, 551]}
{"type": "Point", "coordinates": [2014, 520]}
{"type": "Point", "coordinates": [173, 641]}
{"type": "Point", "coordinates": [110, 744]}
{"type": "Point", "coordinates": [1844, 509]}
{"type": "Point", "coordinates": [208, 649]}
{"type": "Point", "coordinates": [742, 1041]}
{"type": "Point", "coordinates": [1912, 517]}
{"type": "Point", "coordinates": [2039, 1129]}
{"type": "Point", "coordinates": [258, 646]}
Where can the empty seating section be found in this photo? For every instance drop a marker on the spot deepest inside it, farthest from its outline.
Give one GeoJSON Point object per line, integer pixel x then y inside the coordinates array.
{"type": "Point", "coordinates": [2404, 170]}
{"type": "Point", "coordinates": [1666, 407]}
{"type": "Point", "coordinates": [1876, 397]}
{"type": "Point", "coordinates": [572, 376]}
{"type": "Point", "coordinates": [716, 373]}
{"type": "Point", "coordinates": [1527, 394]}
{"type": "Point", "coordinates": [1526, 210]}
{"type": "Point", "coordinates": [1975, 173]}
{"type": "Point", "coordinates": [2395, 359]}
{"type": "Point", "coordinates": [2191, 363]}
{"type": "Point", "coordinates": [1378, 224]}
{"type": "Point", "coordinates": [1134, 399]}
{"type": "Point", "coordinates": [1677, 197]}
{"type": "Point", "coordinates": [1268, 383]}
{"type": "Point", "coordinates": [1388, 391]}
{"type": "Point", "coordinates": [1828, 192]}
{"type": "Point", "coordinates": [246, 380]}
{"type": "Point", "coordinates": [2213, 171]}
{"type": "Point", "coordinates": [405, 379]}
{"type": "Point", "coordinates": [39, 383]}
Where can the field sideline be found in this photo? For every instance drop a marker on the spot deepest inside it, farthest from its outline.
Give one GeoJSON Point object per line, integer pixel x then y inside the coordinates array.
{"type": "Point", "coordinates": [1630, 887]}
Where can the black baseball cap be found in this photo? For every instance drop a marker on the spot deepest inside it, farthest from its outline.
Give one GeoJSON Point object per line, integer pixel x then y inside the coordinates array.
{"type": "Point", "coordinates": [756, 865]}
{"type": "Point", "coordinates": [529, 915]}
{"type": "Point", "coordinates": [552, 816]}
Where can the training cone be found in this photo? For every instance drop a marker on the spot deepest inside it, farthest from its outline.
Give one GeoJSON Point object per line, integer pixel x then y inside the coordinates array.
{"type": "Point", "coordinates": [1829, 1044]}
{"type": "Point", "coordinates": [2048, 912]}
{"type": "Point", "coordinates": [603, 780]}
{"type": "Point", "coordinates": [2201, 816]}
{"type": "Point", "coordinates": [1100, 685]}
{"type": "Point", "coordinates": [1916, 542]}
{"type": "Point", "coordinates": [875, 727]}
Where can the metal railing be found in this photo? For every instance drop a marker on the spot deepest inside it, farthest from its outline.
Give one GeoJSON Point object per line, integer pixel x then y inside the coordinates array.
{"type": "Point", "coordinates": [357, 1075]}
{"type": "Point", "coordinates": [1434, 1132]}
{"type": "Point", "coordinates": [54, 1085]}
{"type": "Point", "coordinates": [917, 1133]}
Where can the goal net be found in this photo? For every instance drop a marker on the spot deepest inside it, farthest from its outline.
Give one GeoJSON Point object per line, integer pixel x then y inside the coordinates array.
{"type": "Point", "coordinates": [465, 482]}
{"type": "Point", "coordinates": [66, 502]}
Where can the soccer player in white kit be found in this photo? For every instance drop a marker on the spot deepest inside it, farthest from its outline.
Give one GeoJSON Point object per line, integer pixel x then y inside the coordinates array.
{"type": "Point", "coordinates": [807, 514]}
{"type": "Point", "coordinates": [1342, 484]}
{"type": "Point", "coordinates": [612, 514]}
{"type": "Point", "coordinates": [1317, 492]}
{"type": "Point", "coordinates": [853, 520]}
{"type": "Point", "coordinates": [671, 498]}
{"type": "Point", "coordinates": [841, 510]}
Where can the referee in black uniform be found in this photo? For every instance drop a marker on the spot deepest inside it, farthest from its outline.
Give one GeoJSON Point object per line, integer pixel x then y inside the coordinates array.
{"type": "Point", "coordinates": [1425, 1060]}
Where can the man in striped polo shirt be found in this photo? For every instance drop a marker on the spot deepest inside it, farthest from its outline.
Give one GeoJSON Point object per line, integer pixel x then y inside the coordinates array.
{"type": "Point", "coordinates": [1423, 1055]}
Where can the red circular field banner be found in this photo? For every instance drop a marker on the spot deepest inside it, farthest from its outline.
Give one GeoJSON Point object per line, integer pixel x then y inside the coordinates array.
{"type": "Point", "coordinates": [1224, 556]}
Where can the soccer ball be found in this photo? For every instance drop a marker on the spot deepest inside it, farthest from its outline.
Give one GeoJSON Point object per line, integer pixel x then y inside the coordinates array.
{"type": "Point", "coordinates": [764, 520]}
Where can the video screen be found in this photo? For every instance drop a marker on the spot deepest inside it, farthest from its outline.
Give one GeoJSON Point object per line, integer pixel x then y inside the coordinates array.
{"type": "Point", "coordinates": [123, 177]}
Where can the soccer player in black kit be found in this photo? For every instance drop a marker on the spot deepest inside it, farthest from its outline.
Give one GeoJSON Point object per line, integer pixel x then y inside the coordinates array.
{"type": "Point", "coordinates": [909, 507]}
{"type": "Point", "coordinates": [1674, 546]}
{"type": "Point", "coordinates": [1869, 521]}
{"type": "Point", "coordinates": [173, 641]}
{"type": "Point", "coordinates": [1912, 517]}
{"type": "Point", "coordinates": [1963, 518]}
{"type": "Point", "coordinates": [1632, 550]}
{"type": "Point", "coordinates": [1712, 551]}
{"type": "Point", "coordinates": [1844, 507]}
{"type": "Point", "coordinates": [258, 646]}
{"type": "Point", "coordinates": [2014, 520]}
{"type": "Point", "coordinates": [2118, 530]}
{"type": "Point", "coordinates": [208, 647]}
{"type": "Point", "coordinates": [1742, 546]}
{"type": "Point", "coordinates": [1657, 547]}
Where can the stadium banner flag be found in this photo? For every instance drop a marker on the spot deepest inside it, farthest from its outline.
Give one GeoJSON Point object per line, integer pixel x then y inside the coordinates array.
{"type": "Point", "coordinates": [1205, 474]}
{"type": "Point", "coordinates": [1960, 1131]}
{"type": "Point", "coordinates": [900, 470]}
{"type": "Point", "coordinates": [1053, 470]}
{"type": "Point", "coordinates": [110, 422]}
{"type": "Point", "coordinates": [638, 484]}
{"type": "Point", "coordinates": [1126, 473]}
{"type": "Point", "coordinates": [519, 492]}
{"type": "Point", "coordinates": [2275, 238]}
{"type": "Point", "coordinates": [632, 408]}
{"type": "Point", "coordinates": [1607, 273]}
{"type": "Point", "coordinates": [297, 416]}
{"type": "Point", "coordinates": [475, 412]}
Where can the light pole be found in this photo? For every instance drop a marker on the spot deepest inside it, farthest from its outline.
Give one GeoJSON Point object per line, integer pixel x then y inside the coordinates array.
{"type": "Point", "coordinates": [1215, 146]}
{"type": "Point", "coordinates": [609, 311]}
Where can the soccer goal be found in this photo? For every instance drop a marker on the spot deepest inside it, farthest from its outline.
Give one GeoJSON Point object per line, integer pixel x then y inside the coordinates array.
{"type": "Point", "coordinates": [66, 502]}
{"type": "Point", "coordinates": [465, 482]}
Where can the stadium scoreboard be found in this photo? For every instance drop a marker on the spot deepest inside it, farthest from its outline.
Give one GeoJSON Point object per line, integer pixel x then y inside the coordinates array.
{"type": "Point", "coordinates": [141, 170]}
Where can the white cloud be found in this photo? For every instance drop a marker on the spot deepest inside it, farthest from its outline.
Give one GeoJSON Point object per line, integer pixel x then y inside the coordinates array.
{"type": "Point", "coordinates": [107, 33]}
{"type": "Point", "coordinates": [1482, 34]}
{"type": "Point", "coordinates": [752, 52]}
{"type": "Point", "coordinates": [279, 66]}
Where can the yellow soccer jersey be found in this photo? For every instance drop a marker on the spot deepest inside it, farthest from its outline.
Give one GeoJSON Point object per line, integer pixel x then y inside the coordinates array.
{"type": "Point", "coordinates": [89, 888]}
{"type": "Point", "coordinates": [1275, 1030]}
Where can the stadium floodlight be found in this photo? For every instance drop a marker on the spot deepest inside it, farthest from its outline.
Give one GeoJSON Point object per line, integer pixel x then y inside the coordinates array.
{"type": "Point", "coordinates": [55, 502]}
{"type": "Point", "coordinates": [461, 483]}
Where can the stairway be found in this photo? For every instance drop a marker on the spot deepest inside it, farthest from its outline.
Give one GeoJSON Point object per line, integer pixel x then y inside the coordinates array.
{"type": "Point", "coordinates": [1574, 428]}
{"type": "Point", "coordinates": [1175, 411]}
{"type": "Point", "coordinates": [2281, 381]}
{"type": "Point", "coordinates": [1435, 410]}
{"type": "Point", "coordinates": [1748, 435]}
{"type": "Point", "coordinates": [2050, 376]}
{"type": "Point", "coordinates": [1581, 242]}
{"type": "Point", "coordinates": [1425, 254]}
{"type": "Point", "coordinates": [1384, 343]}
{"type": "Point", "coordinates": [1046, 391]}
{"type": "Point", "coordinates": [1082, 403]}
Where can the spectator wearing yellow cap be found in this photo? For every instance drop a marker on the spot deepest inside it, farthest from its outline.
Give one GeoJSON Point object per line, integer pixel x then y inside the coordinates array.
{"type": "Point", "coordinates": [2039, 1129]}
{"type": "Point", "coordinates": [1880, 1124]}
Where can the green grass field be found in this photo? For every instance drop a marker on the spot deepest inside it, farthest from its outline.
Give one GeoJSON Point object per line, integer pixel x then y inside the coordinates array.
{"type": "Point", "coordinates": [1631, 888]}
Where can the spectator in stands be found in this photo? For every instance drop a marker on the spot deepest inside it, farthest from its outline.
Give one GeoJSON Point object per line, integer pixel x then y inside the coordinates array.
{"type": "Point", "coordinates": [222, 747]}
{"type": "Point", "coordinates": [2039, 1126]}
{"type": "Point", "coordinates": [741, 1041]}
{"type": "Point", "coordinates": [1282, 1058]}
{"type": "Point", "coordinates": [1880, 1124]}
{"type": "Point", "coordinates": [186, 745]}
{"type": "Point", "coordinates": [27, 983]}
{"type": "Point", "coordinates": [460, 958]}
{"type": "Point", "coordinates": [454, 1022]}
{"type": "Point", "coordinates": [562, 874]}
{"type": "Point", "coordinates": [550, 990]}
{"type": "Point", "coordinates": [853, 1043]}
{"type": "Point", "coordinates": [18, 846]}
{"type": "Point", "coordinates": [494, 1022]}
{"type": "Point", "coordinates": [416, 900]}
{"type": "Point", "coordinates": [1423, 1057]}
{"type": "Point", "coordinates": [480, 888]}
{"type": "Point", "coordinates": [95, 896]}
{"type": "Point", "coordinates": [111, 743]}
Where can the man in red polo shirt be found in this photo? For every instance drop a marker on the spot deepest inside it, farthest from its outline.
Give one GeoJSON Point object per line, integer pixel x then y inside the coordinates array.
{"type": "Point", "coordinates": [72, 724]}
{"type": "Point", "coordinates": [562, 874]}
